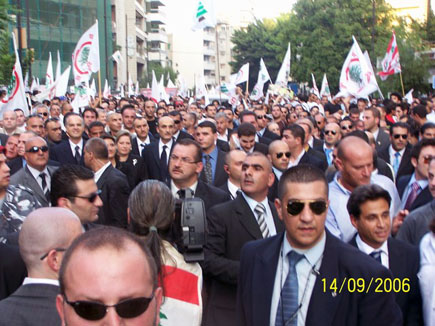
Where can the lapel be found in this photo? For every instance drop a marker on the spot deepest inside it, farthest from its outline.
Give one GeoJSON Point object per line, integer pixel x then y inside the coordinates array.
{"type": "Point", "coordinates": [395, 260]}
{"type": "Point", "coordinates": [135, 147]}
{"type": "Point", "coordinates": [323, 305]}
{"type": "Point", "coordinates": [264, 274]}
{"type": "Point", "coordinates": [155, 152]}
{"type": "Point", "coordinates": [279, 225]}
{"type": "Point", "coordinates": [103, 177]}
{"type": "Point", "coordinates": [67, 151]}
{"type": "Point", "coordinates": [220, 173]}
{"type": "Point", "coordinates": [31, 182]}
{"type": "Point", "coordinates": [247, 218]}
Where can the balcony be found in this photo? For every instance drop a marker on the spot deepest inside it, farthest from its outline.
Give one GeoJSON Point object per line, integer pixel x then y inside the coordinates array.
{"type": "Point", "coordinates": [157, 2]}
{"type": "Point", "coordinates": [157, 17]}
{"type": "Point", "coordinates": [140, 8]}
{"type": "Point", "coordinates": [209, 50]}
{"type": "Point", "coordinates": [159, 36]}
{"type": "Point", "coordinates": [209, 65]}
{"type": "Point", "coordinates": [141, 34]}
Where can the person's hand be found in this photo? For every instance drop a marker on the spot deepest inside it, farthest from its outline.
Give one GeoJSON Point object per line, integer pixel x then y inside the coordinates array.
{"type": "Point", "coordinates": [398, 220]}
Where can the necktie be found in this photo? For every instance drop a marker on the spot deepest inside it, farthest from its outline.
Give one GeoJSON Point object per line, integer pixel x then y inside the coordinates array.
{"type": "Point", "coordinates": [396, 162]}
{"type": "Point", "coordinates": [181, 193]}
{"type": "Point", "coordinates": [164, 160]}
{"type": "Point", "coordinates": [415, 187]}
{"type": "Point", "coordinates": [288, 305]}
{"type": "Point", "coordinates": [328, 152]}
{"type": "Point", "coordinates": [376, 255]}
{"type": "Point", "coordinates": [45, 189]}
{"type": "Point", "coordinates": [77, 154]}
{"type": "Point", "coordinates": [142, 145]}
{"type": "Point", "coordinates": [260, 210]}
{"type": "Point", "coordinates": [208, 170]}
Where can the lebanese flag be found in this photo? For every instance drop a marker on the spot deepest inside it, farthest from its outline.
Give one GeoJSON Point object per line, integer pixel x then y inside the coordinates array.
{"type": "Point", "coordinates": [391, 62]}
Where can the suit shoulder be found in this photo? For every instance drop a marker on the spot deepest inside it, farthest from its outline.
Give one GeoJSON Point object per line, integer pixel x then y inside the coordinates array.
{"type": "Point", "coordinates": [404, 247]}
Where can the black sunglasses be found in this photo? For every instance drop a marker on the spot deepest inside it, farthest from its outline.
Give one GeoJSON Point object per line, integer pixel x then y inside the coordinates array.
{"type": "Point", "coordinates": [129, 308]}
{"type": "Point", "coordinates": [260, 116]}
{"type": "Point", "coordinates": [91, 198]}
{"type": "Point", "coordinates": [397, 136]}
{"type": "Point", "coordinates": [35, 149]}
{"type": "Point", "coordinates": [327, 132]}
{"type": "Point", "coordinates": [44, 114]}
{"type": "Point", "coordinates": [47, 253]}
{"type": "Point", "coordinates": [279, 155]}
{"type": "Point", "coordinates": [177, 122]}
{"type": "Point", "coordinates": [295, 207]}
{"type": "Point", "coordinates": [346, 127]}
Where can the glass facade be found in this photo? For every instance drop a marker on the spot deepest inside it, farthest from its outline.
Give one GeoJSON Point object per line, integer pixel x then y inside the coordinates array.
{"type": "Point", "coordinates": [58, 25]}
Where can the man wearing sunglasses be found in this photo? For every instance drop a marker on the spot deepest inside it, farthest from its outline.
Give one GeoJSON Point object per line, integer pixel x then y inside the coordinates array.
{"type": "Point", "coordinates": [36, 175]}
{"type": "Point", "coordinates": [179, 133]}
{"type": "Point", "coordinates": [281, 278]}
{"type": "Point", "coordinates": [45, 235]}
{"type": "Point", "coordinates": [279, 156]}
{"type": "Point", "coordinates": [398, 154]}
{"type": "Point", "coordinates": [108, 277]}
{"type": "Point", "coordinates": [332, 137]}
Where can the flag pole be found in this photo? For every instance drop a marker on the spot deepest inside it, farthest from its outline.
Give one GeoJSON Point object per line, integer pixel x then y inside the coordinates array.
{"type": "Point", "coordinates": [401, 82]}
{"type": "Point", "coordinates": [218, 65]}
{"type": "Point", "coordinates": [99, 87]}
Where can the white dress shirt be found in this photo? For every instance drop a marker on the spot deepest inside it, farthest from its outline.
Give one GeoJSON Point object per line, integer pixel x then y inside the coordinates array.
{"type": "Point", "coordinates": [296, 162]}
{"type": "Point", "coordinates": [168, 149]}
{"type": "Point", "coordinates": [232, 188]}
{"type": "Point", "coordinates": [73, 147]}
{"type": "Point", "coordinates": [100, 172]}
{"type": "Point", "coordinates": [36, 174]}
{"type": "Point", "coordinates": [174, 189]}
{"type": "Point", "coordinates": [268, 218]}
{"type": "Point", "coordinates": [32, 280]}
{"type": "Point", "coordinates": [365, 248]}
{"type": "Point", "coordinates": [139, 144]}
{"type": "Point", "coordinates": [392, 154]}
{"type": "Point", "coordinates": [306, 269]}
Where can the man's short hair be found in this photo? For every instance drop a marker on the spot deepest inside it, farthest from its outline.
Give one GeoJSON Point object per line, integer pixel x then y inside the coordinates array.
{"type": "Point", "coordinates": [70, 114]}
{"type": "Point", "coordinates": [374, 111]}
{"type": "Point", "coordinates": [191, 142]}
{"type": "Point", "coordinates": [401, 125]}
{"type": "Point", "coordinates": [420, 111]}
{"type": "Point", "coordinates": [51, 119]}
{"type": "Point", "coordinates": [89, 109]}
{"type": "Point", "coordinates": [105, 237]}
{"type": "Point", "coordinates": [246, 129]}
{"type": "Point", "coordinates": [127, 107]}
{"type": "Point", "coordinates": [220, 114]}
{"type": "Point", "coordinates": [63, 181]}
{"type": "Point", "coordinates": [208, 124]}
{"type": "Point", "coordinates": [297, 131]}
{"type": "Point", "coordinates": [364, 193]}
{"type": "Point", "coordinates": [246, 113]}
{"type": "Point", "coordinates": [416, 150]}
{"type": "Point", "coordinates": [174, 114]}
{"type": "Point", "coordinates": [95, 124]}
{"type": "Point", "coordinates": [427, 125]}
{"type": "Point", "coordinates": [98, 147]}
{"type": "Point", "coordinates": [302, 173]}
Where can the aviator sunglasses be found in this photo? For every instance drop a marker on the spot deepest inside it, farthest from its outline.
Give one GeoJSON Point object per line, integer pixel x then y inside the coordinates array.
{"type": "Point", "coordinates": [35, 149]}
{"type": "Point", "coordinates": [129, 308]}
{"type": "Point", "coordinates": [295, 207]}
{"type": "Point", "coordinates": [279, 155]}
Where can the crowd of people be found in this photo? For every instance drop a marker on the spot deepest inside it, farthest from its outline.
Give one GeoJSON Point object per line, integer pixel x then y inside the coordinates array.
{"type": "Point", "coordinates": [319, 211]}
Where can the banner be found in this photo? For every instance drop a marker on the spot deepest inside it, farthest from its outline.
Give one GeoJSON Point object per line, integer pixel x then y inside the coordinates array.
{"type": "Point", "coordinates": [243, 74]}
{"type": "Point", "coordinates": [391, 61]}
{"type": "Point", "coordinates": [284, 71]}
{"type": "Point", "coordinates": [263, 77]}
{"type": "Point", "coordinates": [204, 15]}
{"type": "Point", "coordinates": [49, 78]}
{"type": "Point", "coordinates": [315, 89]}
{"type": "Point", "coordinates": [325, 88]}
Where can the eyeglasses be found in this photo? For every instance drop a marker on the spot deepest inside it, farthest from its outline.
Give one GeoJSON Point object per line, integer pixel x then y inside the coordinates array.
{"type": "Point", "coordinates": [55, 249]}
{"type": "Point", "coordinates": [295, 207]}
{"type": "Point", "coordinates": [43, 113]}
{"type": "Point", "coordinates": [279, 155]}
{"type": "Point", "coordinates": [129, 308]}
{"type": "Point", "coordinates": [35, 149]}
{"type": "Point", "coordinates": [427, 158]}
{"type": "Point", "coordinates": [327, 132]}
{"type": "Point", "coordinates": [346, 127]}
{"type": "Point", "coordinates": [397, 136]}
{"type": "Point", "coordinates": [183, 160]}
{"type": "Point", "coordinates": [177, 122]}
{"type": "Point", "coordinates": [92, 197]}
{"type": "Point", "coordinates": [260, 116]}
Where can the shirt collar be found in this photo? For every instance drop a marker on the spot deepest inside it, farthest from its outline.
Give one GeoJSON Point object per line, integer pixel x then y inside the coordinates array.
{"type": "Point", "coordinates": [232, 188]}
{"type": "Point", "coordinates": [392, 151]}
{"type": "Point", "coordinates": [312, 254]}
{"type": "Point", "coordinates": [364, 247]}
{"type": "Point", "coordinates": [422, 183]}
{"type": "Point", "coordinates": [100, 172]}
{"type": "Point", "coordinates": [168, 144]}
{"type": "Point", "coordinates": [79, 144]}
{"type": "Point", "coordinates": [175, 189]}
{"type": "Point", "coordinates": [213, 154]}
{"type": "Point", "coordinates": [277, 172]}
{"type": "Point", "coordinates": [340, 186]}
{"type": "Point", "coordinates": [32, 280]}
{"type": "Point", "coordinates": [253, 203]}
{"type": "Point", "coordinates": [36, 172]}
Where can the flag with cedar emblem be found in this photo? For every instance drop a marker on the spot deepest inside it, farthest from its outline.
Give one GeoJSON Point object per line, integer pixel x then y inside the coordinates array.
{"type": "Point", "coordinates": [391, 62]}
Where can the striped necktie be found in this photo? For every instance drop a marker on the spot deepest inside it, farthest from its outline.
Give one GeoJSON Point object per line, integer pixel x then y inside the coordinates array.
{"type": "Point", "coordinates": [260, 210]}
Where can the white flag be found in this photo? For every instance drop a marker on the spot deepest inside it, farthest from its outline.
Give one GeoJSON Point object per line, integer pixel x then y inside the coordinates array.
{"type": "Point", "coordinates": [182, 87]}
{"type": "Point", "coordinates": [315, 89]}
{"type": "Point", "coordinates": [58, 67]}
{"type": "Point", "coordinates": [409, 97]}
{"type": "Point", "coordinates": [86, 55]}
{"type": "Point", "coordinates": [81, 99]}
{"type": "Point", "coordinates": [243, 74]}
{"type": "Point", "coordinates": [230, 90]}
{"type": "Point", "coordinates": [136, 89]}
{"type": "Point", "coordinates": [171, 84]}
{"type": "Point", "coordinates": [356, 77]}
{"type": "Point", "coordinates": [117, 57]}
{"type": "Point", "coordinates": [92, 91]}
{"type": "Point", "coordinates": [369, 63]}
{"type": "Point", "coordinates": [130, 86]}
{"type": "Point", "coordinates": [162, 91]}
{"type": "Point", "coordinates": [284, 71]}
{"type": "Point", "coordinates": [263, 78]}
{"type": "Point", "coordinates": [26, 82]}
{"type": "Point", "coordinates": [325, 88]}
{"type": "Point", "coordinates": [121, 91]}
{"type": "Point", "coordinates": [62, 82]}
{"type": "Point", "coordinates": [204, 15]}
{"type": "Point", "coordinates": [34, 85]}
{"type": "Point", "coordinates": [200, 89]}
{"type": "Point", "coordinates": [16, 94]}
{"type": "Point", "coordinates": [49, 78]}
{"type": "Point", "coordinates": [155, 94]}
{"type": "Point", "coordinates": [106, 91]}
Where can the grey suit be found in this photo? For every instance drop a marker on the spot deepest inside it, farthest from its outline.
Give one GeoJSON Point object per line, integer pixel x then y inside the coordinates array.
{"type": "Point", "coordinates": [24, 177]}
{"type": "Point", "coordinates": [31, 304]}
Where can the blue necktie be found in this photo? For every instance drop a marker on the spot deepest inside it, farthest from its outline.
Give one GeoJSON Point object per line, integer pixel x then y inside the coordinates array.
{"type": "Point", "coordinates": [376, 255]}
{"type": "Point", "coordinates": [288, 306]}
{"type": "Point", "coordinates": [328, 152]}
{"type": "Point", "coordinates": [396, 162]}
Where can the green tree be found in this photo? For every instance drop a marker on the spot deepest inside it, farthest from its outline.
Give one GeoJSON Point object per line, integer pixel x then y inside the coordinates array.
{"type": "Point", "coordinates": [158, 70]}
{"type": "Point", "coordinates": [6, 58]}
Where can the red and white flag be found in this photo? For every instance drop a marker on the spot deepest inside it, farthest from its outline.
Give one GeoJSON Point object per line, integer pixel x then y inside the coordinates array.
{"type": "Point", "coordinates": [391, 62]}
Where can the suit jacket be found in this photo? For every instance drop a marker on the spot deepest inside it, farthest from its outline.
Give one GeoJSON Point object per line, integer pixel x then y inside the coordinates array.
{"type": "Point", "coordinates": [404, 262]}
{"type": "Point", "coordinates": [211, 195]}
{"type": "Point", "coordinates": [18, 163]}
{"type": "Point", "coordinates": [273, 190]}
{"type": "Point", "coordinates": [183, 135]}
{"type": "Point", "coordinates": [133, 168]}
{"type": "Point", "coordinates": [340, 262]}
{"type": "Point", "coordinates": [319, 155]}
{"type": "Point", "coordinates": [223, 145]}
{"type": "Point", "coordinates": [318, 145]}
{"type": "Point", "coordinates": [220, 176]}
{"type": "Point", "coordinates": [405, 166]}
{"type": "Point", "coordinates": [25, 178]}
{"type": "Point", "coordinates": [62, 153]}
{"type": "Point", "coordinates": [151, 157]}
{"type": "Point", "coordinates": [12, 270]}
{"type": "Point", "coordinates": [134, 148]}
{"type": "Point", "coordinates": [262, 148]}
{"type": "Point", "coordinates": [308, 158]}
{"type": "Point", "coordinates": [31, 304]}
{"type": "Point", "coordinates": [114, 194]}
{"type": "Point", "coordinates": [382, 141]}
{"type": "Point", "coordinates": [423, 197]}
{"type": "Point", "coordinates": [270, 135]}
{"type": "Point", "coordinates": [225, 188]}
{"type": "Point", "coordinates": [384, 168]}
{"type": "Point", "coordinates": [231, 225]}
{"type": "Point", "coordinates": [3, 139]}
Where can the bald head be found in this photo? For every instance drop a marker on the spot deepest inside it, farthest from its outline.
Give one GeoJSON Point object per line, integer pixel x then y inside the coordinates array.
{"type": "Point", "coordinates": [352, 144]}
{"type": "Point", "coordinates": [34, 141]}
{"type": "Point", "coordinates": [44, 230]}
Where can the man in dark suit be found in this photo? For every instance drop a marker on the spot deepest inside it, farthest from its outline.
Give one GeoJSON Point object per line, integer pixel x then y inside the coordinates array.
{"type": "Point", "coordinates": [36, 175]}
{"type": "Point", "coordinates": [185, 166]}
{"type": "Point", "coordinates": [213, 159]}
{"type": "Point", "coordinates": [368, 207]}
{"type": "Point", "coordinates": [233, 168]}
{"type": "Point", "coordinates": [262, 121]}
{"type": "Point", "coordinates": [45, 235]}
{"type": "Point", "coordinates": [372, 117]}
{"type": "Point", "coordinates": [143, 136]}
{"type": "Point", "coordinates": [296, 276]}
{"type": "Point", "coordinates": [71, 151]}
{"type": "Point", "coordinates": [73, 187]}
{"type": "Point", "coordinates": [310, 140]}
{"type": "Point", "coordinates": [223, 131]}
{"type": "Point", "coordinates": [3, 139]}
{"type": "Point", "coordinates": [398, 154]}
{"type": "Point", "coordinates": [250, 117]}
{"type": "Point", "coordinates": [246, 137]}
{"type": "Point", "coordinates": [178, 127]}
{"type": "Point", "coordinates": [156, 155]}
{"type": "Point", "coordinates": [111, 182]}
{"type": "Point", "coordinates": [12, 269]}
{"type": "Point", "coordinates": [248, 217]}
{"type": "Point", "coordinates": [279, 156]}
{"type": "Point", "coordinates": [413, 189]}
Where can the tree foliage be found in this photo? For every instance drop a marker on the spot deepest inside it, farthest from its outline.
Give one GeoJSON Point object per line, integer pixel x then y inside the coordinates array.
{"type": "Point", "coordinates": [6, 58]}
{"type": "Point", "coordinates": [320, 33]}
{"type": "Point", "coordinates": [159, 70]}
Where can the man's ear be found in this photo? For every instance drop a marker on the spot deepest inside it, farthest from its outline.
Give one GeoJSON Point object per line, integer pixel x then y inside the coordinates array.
{"type": "Point", "coordinates": [414, 162]}
{"type": "Point", "coordinates": [339, 164]}
{"type": "Point", "coordinates": [278, 208]}
{"type": "Point", "coordinates": [64, 202]}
